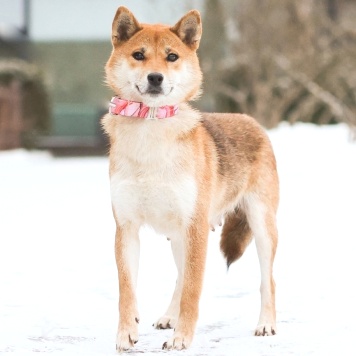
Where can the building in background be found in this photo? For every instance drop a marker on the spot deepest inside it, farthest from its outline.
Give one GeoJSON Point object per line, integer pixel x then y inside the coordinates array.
{"type": "Point", "coordinates": [14, 28]}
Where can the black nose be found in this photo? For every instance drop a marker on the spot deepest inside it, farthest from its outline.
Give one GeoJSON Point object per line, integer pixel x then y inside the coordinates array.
{"type": "Point", "coordinates": [155, 79]}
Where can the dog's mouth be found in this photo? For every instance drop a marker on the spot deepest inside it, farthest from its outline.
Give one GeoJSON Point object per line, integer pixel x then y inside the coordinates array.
{"type": "Point", "coordinates": [153, 91]}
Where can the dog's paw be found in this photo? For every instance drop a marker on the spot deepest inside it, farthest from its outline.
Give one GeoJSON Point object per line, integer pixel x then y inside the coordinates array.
{"type": "Point", "coordinates": [265, 329]}
{"type": "Point", "coordinates": [165, 322]}
{"type": "Point", "coordinates": [126, 338]}
{"type": "Point", "coordinates": [177, 342]}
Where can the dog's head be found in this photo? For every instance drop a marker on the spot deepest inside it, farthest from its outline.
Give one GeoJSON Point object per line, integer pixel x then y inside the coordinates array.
{"type": "Point", "coordinates": [155, 64]}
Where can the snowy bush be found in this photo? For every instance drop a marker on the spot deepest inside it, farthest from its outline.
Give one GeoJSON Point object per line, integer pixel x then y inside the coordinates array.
{"type": "Point", "coordinates": [33, 98]}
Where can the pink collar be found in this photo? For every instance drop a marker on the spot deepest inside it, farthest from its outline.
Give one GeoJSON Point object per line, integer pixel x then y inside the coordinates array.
{"type": "Point", "coordinates": [123, 107]}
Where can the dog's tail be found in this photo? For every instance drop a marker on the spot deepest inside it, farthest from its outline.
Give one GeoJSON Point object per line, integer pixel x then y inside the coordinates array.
{"type": "Point", "coordinates": [236, 236]}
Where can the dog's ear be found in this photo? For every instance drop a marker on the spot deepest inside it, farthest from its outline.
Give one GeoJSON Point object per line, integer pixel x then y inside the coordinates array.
{"type": "Point", "coordinates": [189, 29]}
{"type": "Point", "coordinates": [124, 26]}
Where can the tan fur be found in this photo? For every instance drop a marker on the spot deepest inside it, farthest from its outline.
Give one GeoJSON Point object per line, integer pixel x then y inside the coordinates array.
{"type": "Point", "coordinates": [183, 174]}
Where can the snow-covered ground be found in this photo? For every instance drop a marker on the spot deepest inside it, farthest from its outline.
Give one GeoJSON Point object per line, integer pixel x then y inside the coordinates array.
{"type": "Point", "coordinates": [58, 283]}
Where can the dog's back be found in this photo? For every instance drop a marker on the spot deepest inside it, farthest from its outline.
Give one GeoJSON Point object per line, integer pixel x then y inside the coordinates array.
{"type": "Point", "coordinates": [244, 155]}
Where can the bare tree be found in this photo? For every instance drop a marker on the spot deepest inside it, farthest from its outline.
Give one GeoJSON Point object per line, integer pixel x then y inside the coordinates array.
{"type": "Point", "coordinates": [287, 60]}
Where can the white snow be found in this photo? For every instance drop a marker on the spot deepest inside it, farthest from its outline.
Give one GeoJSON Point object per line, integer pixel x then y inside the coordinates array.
{"type": "Point", "coordinates": [58, 282]}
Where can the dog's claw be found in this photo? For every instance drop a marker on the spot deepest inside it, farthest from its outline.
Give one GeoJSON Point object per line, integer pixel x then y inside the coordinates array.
{"type": "Point", "coordinates": [165, 322]}
{"type": "Point", "coordinates": [266, 330]}
{"type": "Point", "coordinates": [163, 327]}
{"type": "Point", "coordinates": [126, 338]}
{"type": "Point", "coordinates": [176, 343]}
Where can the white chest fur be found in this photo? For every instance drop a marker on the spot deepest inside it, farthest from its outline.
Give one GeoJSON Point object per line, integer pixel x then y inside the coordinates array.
{"type": "Point", "coordinates": [152, 181]}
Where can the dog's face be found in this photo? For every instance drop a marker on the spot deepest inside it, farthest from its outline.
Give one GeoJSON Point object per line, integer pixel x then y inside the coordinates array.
{"type": "Point", "coordinates": [155, 64]}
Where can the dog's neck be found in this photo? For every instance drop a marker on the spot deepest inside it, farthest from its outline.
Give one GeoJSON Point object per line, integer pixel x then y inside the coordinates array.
{"type": "Point", "coordinates": [130, 108]}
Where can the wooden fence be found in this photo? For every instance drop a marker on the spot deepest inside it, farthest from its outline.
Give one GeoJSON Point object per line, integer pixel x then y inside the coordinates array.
{"type": "Point", "coordinates": [11, 121]}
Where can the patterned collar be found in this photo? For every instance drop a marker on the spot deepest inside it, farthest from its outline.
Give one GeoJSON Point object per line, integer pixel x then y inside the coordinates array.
{"type": "Point", "coordinates": [130, 108]}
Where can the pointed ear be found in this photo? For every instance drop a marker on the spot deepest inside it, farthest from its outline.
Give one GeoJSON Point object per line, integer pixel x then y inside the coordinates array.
{"type": "Point", "coordinates": [124, 26]}
{"type": "Point", "coordinates": [189, 29]}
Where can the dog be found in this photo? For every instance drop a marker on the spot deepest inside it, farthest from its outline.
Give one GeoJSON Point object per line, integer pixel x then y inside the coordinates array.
{"type": "Point", "coordinates": [182, 172]}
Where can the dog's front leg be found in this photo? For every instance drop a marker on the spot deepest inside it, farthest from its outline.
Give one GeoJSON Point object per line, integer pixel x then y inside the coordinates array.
{"type": "Point", "coordinates": [127, 250]}
{"type": "Point", "coordinates": [194, 264]}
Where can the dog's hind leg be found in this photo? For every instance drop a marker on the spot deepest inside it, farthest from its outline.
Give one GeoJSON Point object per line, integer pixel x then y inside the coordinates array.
{"type": "Point", "coordinates": [169, 319]}
{"type": "Point", "coordinates": [262, 221]}
{"type": "Point", "coordinates": [127, 250]}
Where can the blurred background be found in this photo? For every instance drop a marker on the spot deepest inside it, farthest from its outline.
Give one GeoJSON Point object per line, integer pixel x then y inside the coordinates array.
{"type": "Point", "coordinates": [277, 60]}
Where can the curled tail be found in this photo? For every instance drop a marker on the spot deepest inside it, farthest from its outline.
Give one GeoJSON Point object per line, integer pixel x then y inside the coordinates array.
{"type": "Point", "coordinates": [236, 236]}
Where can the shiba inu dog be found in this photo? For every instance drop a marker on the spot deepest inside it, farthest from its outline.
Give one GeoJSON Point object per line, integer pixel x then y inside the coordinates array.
{"type": "Point", "coordinates": [182, 172]}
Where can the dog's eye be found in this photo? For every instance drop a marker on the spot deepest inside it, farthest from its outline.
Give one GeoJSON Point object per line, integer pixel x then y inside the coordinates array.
{"type": "Point", "coordinates": [138, 56]}
{"type": "Point", "coordinates": [172, 57]}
